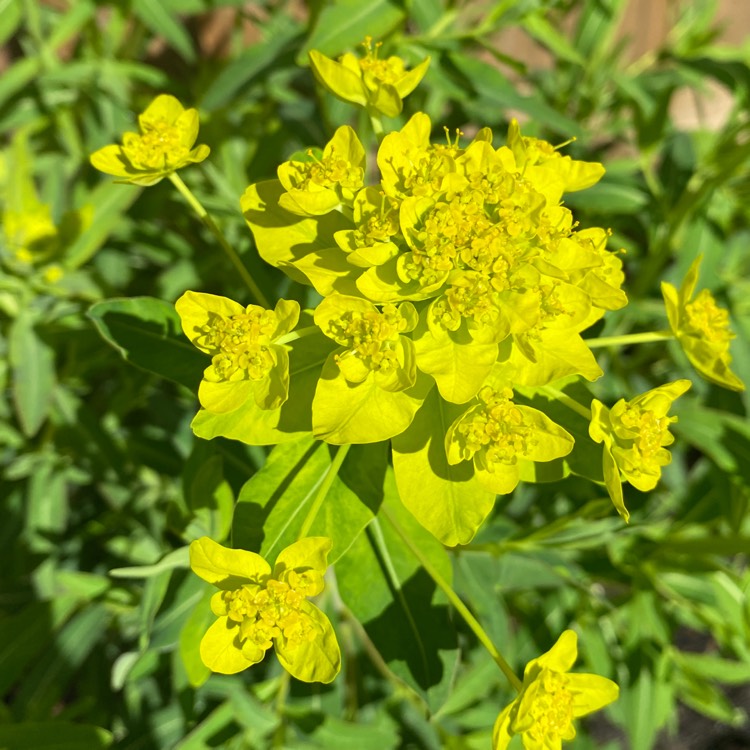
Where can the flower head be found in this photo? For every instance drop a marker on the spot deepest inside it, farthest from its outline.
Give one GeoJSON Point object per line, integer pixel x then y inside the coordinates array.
{"type": "Point", "coordinates": [635, 434]}
{"type": "Point", "coordinates": [551, 698]}
{"type": "Point", "coordinates": [371, 340]}
{"type": "Point", "coordinates": [497, 433]}
{"type": "Point", "coordinates": [246, 358]}
{"type": "Point", "coordinates": [164, 144]}
{"type": "Point", "coordinates": [369, 81]}
{"type": "Point", "coordinates": [702, 328]}
{"type": "Point", "coordinates": [258, 607]}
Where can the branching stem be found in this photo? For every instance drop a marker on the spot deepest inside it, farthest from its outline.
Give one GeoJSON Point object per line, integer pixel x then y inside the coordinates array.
{"type": "Point", "coordinates": [455, 600]}
{"type": "Point", "coordinates": [205, 217]}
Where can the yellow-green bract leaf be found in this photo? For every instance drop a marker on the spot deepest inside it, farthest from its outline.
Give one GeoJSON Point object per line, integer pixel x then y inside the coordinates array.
{"type": "Point", "coordinates": [223, 566]}
{"type": "Point", "coordinates": [557, 356]}
{"type": "Point", "coordinates": [613, 483]}
{"type": "Point", "coordinates": [458, 364]}
{"type": "Point", "coordinates": [345, 412]}
{"type": "Point", "coordinates": [447, 500]}
{"type": "Point", "coordinates": [308, 553]}
{"type": "Point", "coordinates": [338, 79]}
{"type": "Point", "coordinates": [220, 649]}
{"type": "Point", "coordinates": [318, 660]}
{"type": "Point", "coordinates": [303, 247]}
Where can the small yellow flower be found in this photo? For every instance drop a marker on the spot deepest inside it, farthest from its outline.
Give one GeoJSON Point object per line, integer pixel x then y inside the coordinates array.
{"type": "Point", "coordinates": [165, 144]}
{"type": "Point", "coordinates": [246, 358]}
{"type": "Point", "coordinates": [496, 434]}
{"type": "Point", "coordinates": [702, 328]}
{"type": "Point", "coordinates": [370, 81]}
{"type": "Point", "coordinates": [258, 608]}
{"type": "Point", "coordinates": [635, 434]}
{"type": "Point", "coordinates": [551, 698]}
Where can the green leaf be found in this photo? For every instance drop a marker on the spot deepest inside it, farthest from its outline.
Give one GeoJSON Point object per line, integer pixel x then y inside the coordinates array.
{"type": "Point", "coordinates": [545, 33]}
{"type": "Point", "coordinates": [45, 684]}
{"type": "Point", "coordinates": [109, 201]}
{"type": "Point", "coordinates": [195, 627]}
{"type": "Point", "coordinates": [447, 500]}
{"type": "Point", "coordinates": [405, 616]}
{"type": "Point", "coordinates": [147, 333]}
{"type": "Point", "coordinates": [24, 634]}
{"type": "Point", "coordinates": [273, 503]}
{"type": "Point", "coordinates": [162, 23]}
{"type": "Point", "coordinates": [53, 735]}
{"type": "Point", "coordinates": [210, 498]}
{"type": "Point", "coordinates": [278, 34]}
{"type": "Point", "coordinates": [495, 90]}
{"type": "Point", "coordinates": [609, 198]}
{"type": "Point", "coordinates": [33, 363]}
{"type": "Point", "coordinates": [10, 18]}
{"type": "Point", "coordinates": [344, 24]}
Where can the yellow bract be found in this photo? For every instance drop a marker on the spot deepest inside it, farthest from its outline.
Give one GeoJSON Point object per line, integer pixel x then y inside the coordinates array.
{"type": "Point", "coordinates": [258, 608]}
{"type": "Point", "coordinates": [246, 360]}
{"type": "Point", "coordinates": [370, 81]}
{"type": "Point", "coordinates": [634, 434]}
{"type": "Point", "coordinates": [702, 328]}
{"type": "Point", "coordinates": [168, 132]}
{"type": "Point", "coordinates": [551, 698]}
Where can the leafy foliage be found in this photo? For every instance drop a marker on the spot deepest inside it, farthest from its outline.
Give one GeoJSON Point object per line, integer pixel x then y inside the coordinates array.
{"type": "Point", "coordinates": [105, 484]}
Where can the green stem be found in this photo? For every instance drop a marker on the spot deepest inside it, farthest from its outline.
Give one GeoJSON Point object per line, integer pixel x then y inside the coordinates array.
{"type": "Point", "coordinates": [454, 599]}
{"type": "Point", "coordinates": [377, 124]}
{"type": "Point", "coordinates": [205, 217]}
{"type": "Point", "coordinates": [563, 398]}
{"type": "Point", "coordinates": [300, 333]}
{"type": "Point", "coordinates": [630, 338]}
{"type": "Point", "coordinates": [325, 485]}
{"type": "Point", "coordinates": [279, 734]}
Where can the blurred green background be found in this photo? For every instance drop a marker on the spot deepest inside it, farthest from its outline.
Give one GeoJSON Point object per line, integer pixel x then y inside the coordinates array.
{"type": "Point", "coordinates": [102, 483]}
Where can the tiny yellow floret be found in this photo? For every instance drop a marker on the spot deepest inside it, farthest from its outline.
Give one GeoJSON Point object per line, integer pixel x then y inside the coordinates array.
{"type": "Point", "coordinates": [258, 608]}
{"type": "Point", "coordinates": [164, 144]}
{"type": "Point", "coordinates": [551, 698]}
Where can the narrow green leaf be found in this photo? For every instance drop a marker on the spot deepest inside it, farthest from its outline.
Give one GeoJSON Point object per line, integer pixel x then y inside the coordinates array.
{"type": "Point", "coordinates": [162, 23]}
{"type": "Point", "coordinates": [345, 23]}
{"type": "Point", "coordinates": [45, 684]}
{"type": "Point", "coordinates": [33, 363]}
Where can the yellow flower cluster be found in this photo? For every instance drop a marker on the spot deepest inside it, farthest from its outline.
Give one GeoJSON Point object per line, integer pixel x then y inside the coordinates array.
{"type": "Point", "coordinates": [258, 608]}
{"type": "Point", "coordinates": [702, 328]}
{"type": "Point", "coordinates": [635, 434]}
{"type": "Point", "coordinates": [551, 698]}
{"type": "Point", "coordinates": [164, 144]}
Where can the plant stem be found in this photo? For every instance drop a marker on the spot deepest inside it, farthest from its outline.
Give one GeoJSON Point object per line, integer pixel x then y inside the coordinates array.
{"type": "Point", "coordinates": [563, 398]}
{"type": "Point", "coordinates": [455, 600]}
{"type": "Point", "coordinates": [377, 124]}
{"type": "Point", "coordinates": [205, 217]}
{"type": "Point", "coordinates": [325, 485]}
{"type": "Point", "coordinates": [630, 338]}
{"type": "Point", "coordinates": [300, 333]}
